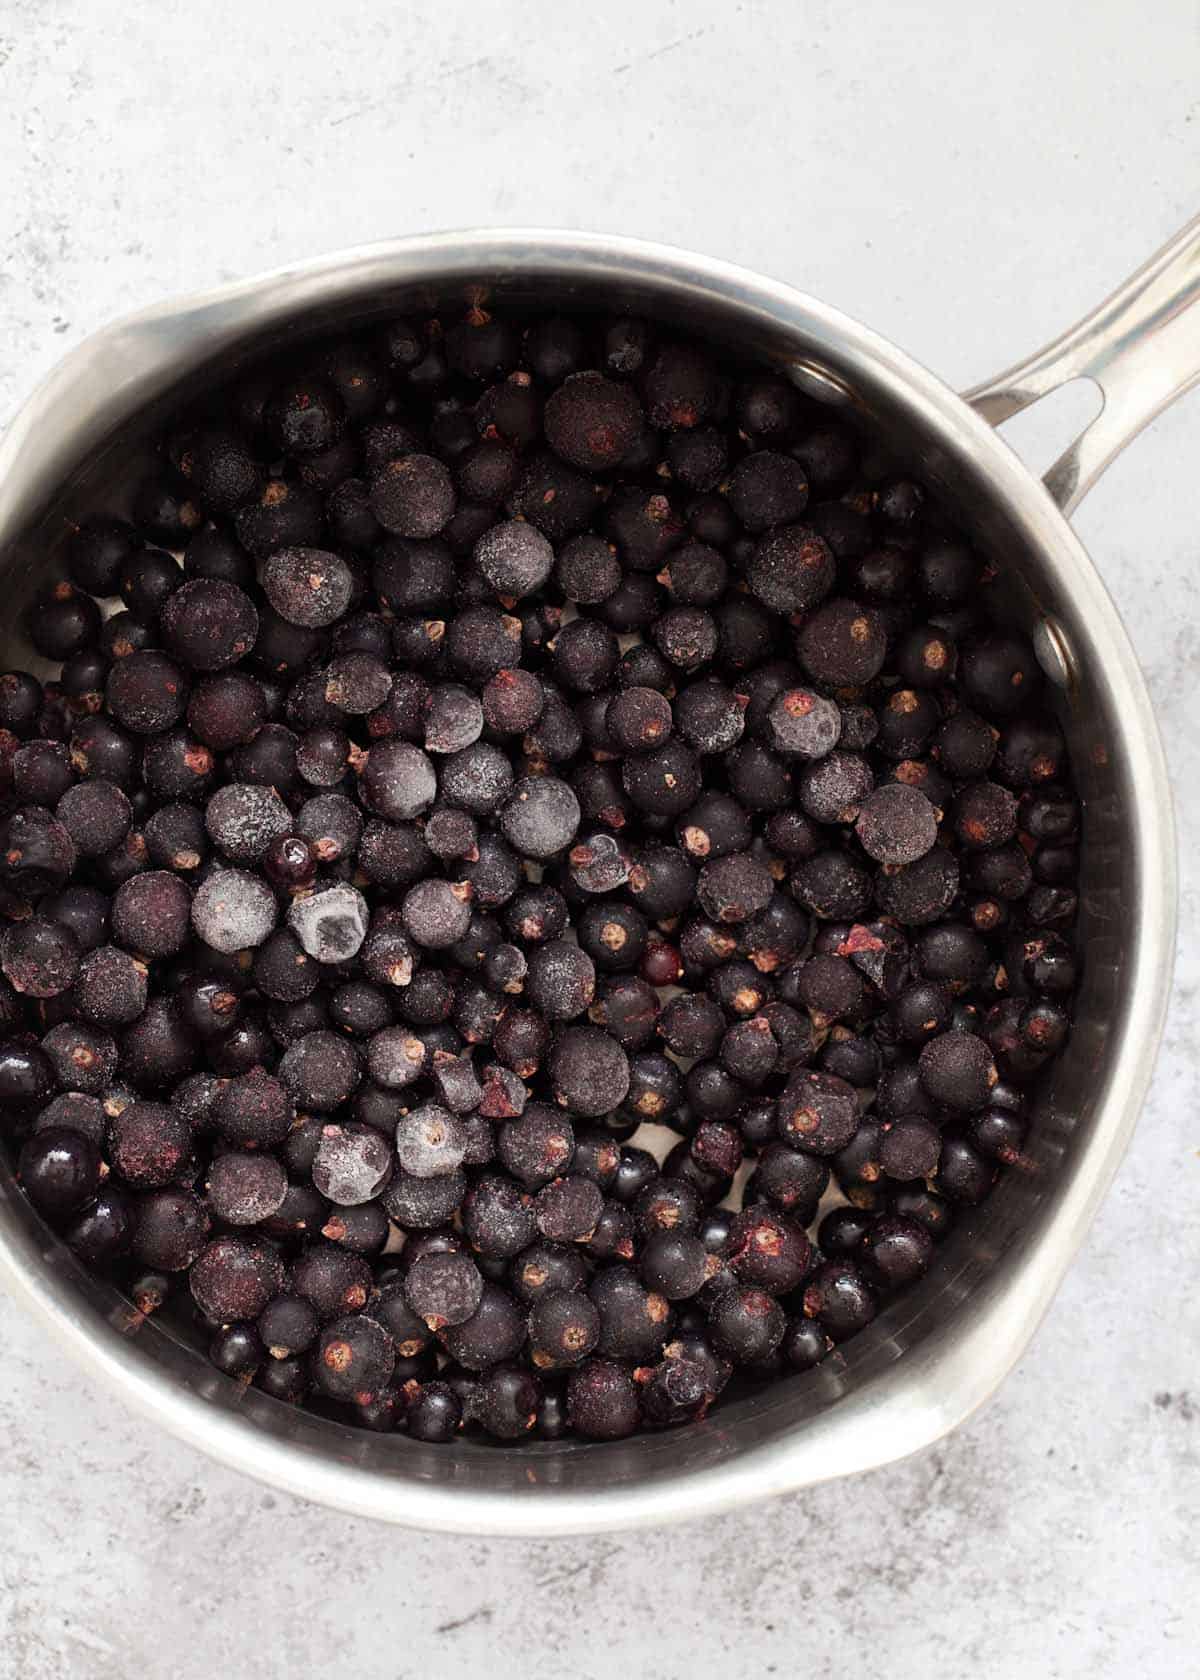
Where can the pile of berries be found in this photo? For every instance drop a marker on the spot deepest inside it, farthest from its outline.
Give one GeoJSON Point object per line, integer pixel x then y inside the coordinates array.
{"type": "Point", "coordinates": [539, 886]}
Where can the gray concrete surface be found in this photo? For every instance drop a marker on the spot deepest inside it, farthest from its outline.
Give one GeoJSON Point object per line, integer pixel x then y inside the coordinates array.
{"type": "Point", "coordinates": [966, 178]}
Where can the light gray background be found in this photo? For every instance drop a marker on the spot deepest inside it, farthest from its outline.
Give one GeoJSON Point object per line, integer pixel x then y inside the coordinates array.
{"type": "Point", "coordinates": [966, 178]}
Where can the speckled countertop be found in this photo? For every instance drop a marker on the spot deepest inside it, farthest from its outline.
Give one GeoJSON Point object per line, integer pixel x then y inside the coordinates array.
{"type": "Point", "coordinates": [968, 187]}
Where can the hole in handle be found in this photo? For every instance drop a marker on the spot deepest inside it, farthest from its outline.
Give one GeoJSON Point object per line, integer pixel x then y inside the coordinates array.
{"type": "Point", "coordinates": [1040, 433]}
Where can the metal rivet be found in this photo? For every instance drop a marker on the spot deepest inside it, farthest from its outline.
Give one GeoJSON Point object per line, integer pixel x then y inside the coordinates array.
{"type": "Point", "coordinates": [1054, 654]}
{"type": "Point", "coordinates": [817, 381]}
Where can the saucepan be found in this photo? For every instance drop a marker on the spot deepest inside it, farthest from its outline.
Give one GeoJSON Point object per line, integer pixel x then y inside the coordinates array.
{"type": "Point", "coordinates": [933, 1357]}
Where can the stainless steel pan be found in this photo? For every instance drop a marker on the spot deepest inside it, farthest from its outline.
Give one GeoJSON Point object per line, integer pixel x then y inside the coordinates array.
{"type": "Point", "coordinates": [938, 1353]}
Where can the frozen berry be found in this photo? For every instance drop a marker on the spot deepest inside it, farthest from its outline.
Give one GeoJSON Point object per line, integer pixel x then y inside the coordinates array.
{"type": "Point", "coordinates": [245, 1188]}
{"type": "Point", "coordinates": [149, 1144]}
{"type": "Point", "coordinates": [896, 824]}
{"type": "Point", "coordinates": [330, 923]}
{"type": "Point", "coordinates": [209, 624]}
{"type": "Point", "coordinates": [39, 957]}
{"type": "Point", "coordinates": [592, 422]}
{"type": "Point", "coordinates": [233, 910]}
{"type": "Point", "coordinates": [957, 1070]}
{"type": "Point", "coordinates": [413, 496]}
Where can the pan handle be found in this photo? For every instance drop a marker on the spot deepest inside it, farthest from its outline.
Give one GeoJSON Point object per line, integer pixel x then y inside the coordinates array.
{"type": "Point", "coordinates": [1141, 346]}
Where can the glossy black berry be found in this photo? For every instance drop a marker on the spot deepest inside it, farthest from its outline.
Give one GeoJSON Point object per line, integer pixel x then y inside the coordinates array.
{"type": "Point", "coordinates": [634, 1321]}
{"type": "Point", "coordinates": [964, 1173]}
{"type": "Point", "coordinates": [354, 1357]}
{"type": "Point", "coordinates": [62, 620]}
{"type": "Point", "coordinates": [102, 1231]}
{"type": "Point", "coordinates": [170, 1228]}
{"type": "Point", "coordinates": [804, 1344]}
{"type": "Point", "coordinates": [841, 1232]}
{"type": "Point", "coordinates": [59, 1170]}
{"type": "Point", "coordinates": [840, 1298]}
{"type": "Point", "coordinates": [508, 1402]}
{"type": "Point", "coordinates": [790, 1180]}
{"type": "Point", "coordinates": [434, 1413]}
{"type": "Point", "coordinates": [287, 1325]}
{"type": "Point", "coordinates": [564, 1328]}
{"type": "Point", "coordinates": [746, 1325]}
{"type": "Point", "coordinates": [768, 1250]}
